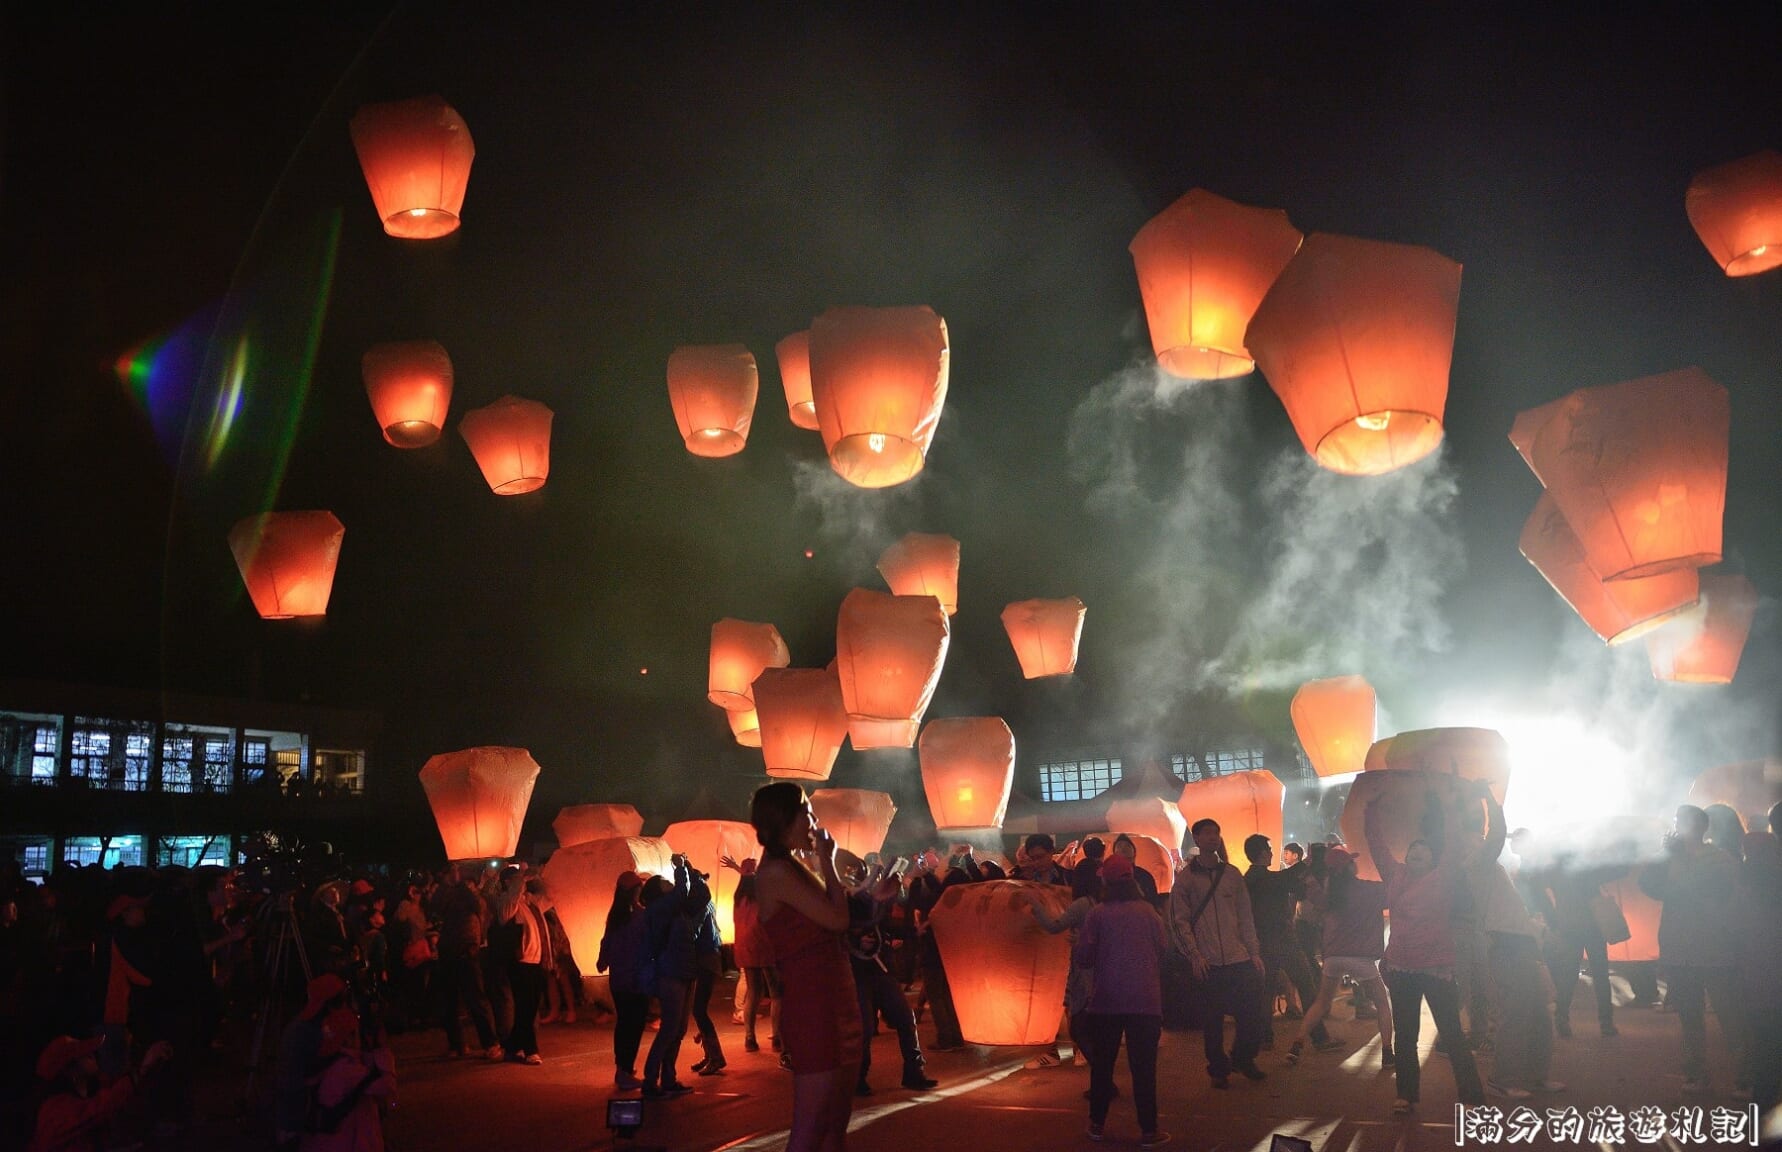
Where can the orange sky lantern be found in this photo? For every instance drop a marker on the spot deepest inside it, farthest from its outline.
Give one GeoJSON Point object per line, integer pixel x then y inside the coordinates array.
{"type": "Point", "coordinates": [287, 561]}
{"type": "Point", "coordinates": [889, 651]}
{"type": "Point", "coordinates": [1204, 264]}
{"type": "Point", "coordinates": [1642, 913]}
{"type": "Point", "coordinates": [968, 767]}
{"type": "Point", "coordinates": [1356, 338]}
{"type": "Point", "coordinates": [802, 722]}
{"type": "Point", "coordinates": [879, 380]}
{"type": "Point", "coordinates": [1751, 789]}
{"type": "Point", "coordinates": [1243, 804]}
{"type": "Point", "coordinates": [1045, 634]}
{"type": "Point", "coordinates": [1334, 719]}
{"type": "Point", "coordinates": [1618, 612]}
{"type": "Point", "coordinates": [1006, 973]}
{"type": "Point", "coordinates": [1736, 208]}
{"type": "Point", "coordinates": [1149, 854]}
{"type": "Point", "coordinates": [858, 818]}
{"type": "Point", "coordinates": [794, 353]}
{"type": "Point", "coordinates": [713, 388]}
{"type": "Point", "coordinates": [1152, 816]}
{"type": "Point", "coordinates": [745, 725]}
{"type": "Point", "coordinates": [1703, 646]}
{"type": "Point", "coordinates": [1467, 753]}
{"type": "Point", "coordinates": [1638, 469]}
{"type": "Point", "coordinates": [580, 879]}
{"type": "Point", "coordinates": [511, 440]}
{"type": "Point", "coordinates": [479, 798]}
{"type": "Point", "coordinates": [581, 823]}
{"type": "Point", "coordinates": [1527, 426]}
{"type": "Point", "coordinates": [410, 386]}
{"type": "Point", "coordinates": [704, 843]}
{"type": "Point", "coordinates": [416, 156]}
{"type": "Point", "coordinates": [923, 564]}
{"type": "Point", "coordinates": [740, 650]}
{"type": "Point", "coordinates": [1403, 800]}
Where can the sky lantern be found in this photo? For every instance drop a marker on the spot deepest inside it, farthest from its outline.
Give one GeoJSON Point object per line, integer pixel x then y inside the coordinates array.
{"type": "Point", "coordinates": [1356, 338]}
{"type": "Point", "coordinates": [923, 564]}
{"type": "Point", "coordinates": [1149, 854]}
{"type": "Point", "coordinates": [1152, 816]}
{"type": "Point", "coordinates": [1045, 634]}
{"type": "Point", "coordinates": [1204, 264]}
{"type": "Point", "coordinates": [1703, 646]}
{"type": "Point", "coordinates": [745, 725]}
{"type": "Point", "coordinates": [1006, 973]}
{"type": "Point", "coordinates": [1243, 804]}
{"type": "Point", "coordinates": [1639, 471]}
{"type": "Point", "coordinates": [1403, 800]}
{"type": "Point", "coordinates": [888, 656]}
{"type": "Point", "coordinates": [416, 156]}
{"type": "Point", "coordinates": [581, 823]}
{"type": "Point", "coordinates": [740, 650]}
{"type": "Point", "coordinates": [1751, 789]}
{"type": "Point", "coordinates": [858, 818]}
{"type": "Point", "coordinates": [1736, 208]}
{"type": "Point", "coordinates": [713, 389]}
{"type": "Point", "coordinates": [1642, 913]}
{"type": "Point", "coordinates": [801, 721]}
{"type": "Point", "coordinates": [968, 767]}
{"type": "Point", "coordinates": [479, 798]}
{"type": "Point", "coordinates": [794, 353]}
{"type": "Point", "coordinates": [1618, 612]}
{"type": "Point", "coordinates": [410, 386]}
{"type": "Point", "coordinates": [1466, 753]}
{"type": "Point", "coordinates": [287, 561]}
{"type": "Point", "coordinates": [1334, 719]}
{"type": "Point", "coordinates": [879, 381]}
{"type": "Point", "coordinates": [704, 843]}
{"type": "Point", "coordinates": [1527, 425]}
{"type": "Point", "coordinates": [581, 878]}
{"type": "Point", "coordinates": [511, 440]}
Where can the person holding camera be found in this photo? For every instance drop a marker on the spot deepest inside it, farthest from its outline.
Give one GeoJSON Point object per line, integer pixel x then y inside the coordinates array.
{"type": "Point", "coordinates": [878, 991]}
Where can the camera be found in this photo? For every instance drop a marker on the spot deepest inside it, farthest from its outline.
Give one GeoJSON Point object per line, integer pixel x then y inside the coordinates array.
{"type": "Point", "coordinates": [624, 1116]}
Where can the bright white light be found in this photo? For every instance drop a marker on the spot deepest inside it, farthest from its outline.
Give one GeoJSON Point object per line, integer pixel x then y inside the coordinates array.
{"type": "Point", "coordinates": [1565, 776]}
{"type": "Point", "coordinates": [876, 441]}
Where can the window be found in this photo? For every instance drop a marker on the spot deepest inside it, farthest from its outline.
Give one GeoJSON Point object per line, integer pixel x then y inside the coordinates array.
{"type": "Point", "coordinates": [1078, 779]}
{"type": "Point", "coordinates": [290, 764]}
{"type": "Point", "coordinates": [36, 860]}
{"type": "Point", "coordinates": [119, 852]}
{"type": "Point", "coordinates": [219, 763]}
{"type": "Point", "coordinates": [111, 753]}
{"type": "Point", "coordinates": [341, 771]}
{"type": "Point", "coordinates": [176, 764]}
{"type": "Point", "coordinates": [1189, 768]}
{"type": "Point", "coordinates": [43, 757]}
{"type": "Point", "coordinates": [28, 747]}
{"type": "Point", "coordinates": [191, 851]}
{"type": "Point", "coordinates": [256, 751]}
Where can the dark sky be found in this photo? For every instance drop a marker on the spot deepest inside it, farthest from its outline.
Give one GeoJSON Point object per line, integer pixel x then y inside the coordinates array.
{"type": "Point", "coordinates": [678, 175]}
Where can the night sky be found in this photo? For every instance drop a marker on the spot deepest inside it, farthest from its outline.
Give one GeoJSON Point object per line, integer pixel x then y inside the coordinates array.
{"type": "Point", "coordinates": [677, 175]}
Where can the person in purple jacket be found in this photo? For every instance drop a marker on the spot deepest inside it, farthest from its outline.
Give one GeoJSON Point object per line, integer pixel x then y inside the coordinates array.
{"type": "Point", "coordinates": [1123, 942]}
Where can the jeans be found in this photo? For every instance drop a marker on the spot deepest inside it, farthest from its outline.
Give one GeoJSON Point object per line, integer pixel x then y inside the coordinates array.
{"type": "Point", "coordinates": [460, 979]}
{"type": "Point", "coordinates": [676, 999]}
{"type": "Point", "coordinates": [528, 983]}
{"type": "Point", "coordinates": [633, 1010]}
{"type": "Point", "coordinates": [1233, 990]}
{"type": "Point", "coordinates": [1524, 1030]}
{"type": "Point", "coordinates": [1408, 991]}
{"type": "Point", "coordinates": [1562, 965]}
{"type": "Point", "coordinates": [1299, 972]}
{"type": "Point", "coordinates": [703, 983]}
{"type": "Point", "coordinates": [880, 995]}
{"type": "Point", "coordinates": [1141, 1034]}
{"type": "Point", "coordinates": [1690, 990]}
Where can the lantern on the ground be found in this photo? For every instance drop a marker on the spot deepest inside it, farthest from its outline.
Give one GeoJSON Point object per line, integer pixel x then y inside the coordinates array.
{"type": "Point", "coordinates": [801, 721]}
{"type": "Point", "coordinates": [858, 818]}
{"type": "Point", "coordinates": [1203, 265]}
{"type": "Point", "coordinates": [1356, 337]}
{"type": "Point", "coordinates": [1751, 789]}
{"type": "Point", "coordinates": [511, 440]}
{"type": "Point", "coordinates": [1703, 645]}
{"type": "Point", "coordinates": [581, 823]}
{"type": "Point", "coordinates": [1480, 754]}
{"type": "Point", "coordinates": [713, 388]}
{"type": "Point", "coordinates": [1006, 973]}
{"type": "Point", "coordinates": [1638, 469]}
{"type": "Point", "coordinates": [745, 725]}
{"type": "Point", "coordinates": [1406, 805]}
{"type": "Point", "coordinates": [1149, 854]}
{"type": "Point", "coordinates": [879, 381]}
{"type": "Point", "coordinates": [924, 564]}
{"type": "Point", "coordinates": [410, 386]}
{"type": "Point", "coordinates": [1045, 635]}
{"type": "Point", "coordinates": [1242, 804]}
{"type": "Point", "coordinates": [1618, 612]}
{"type": "Point", "coordinates": [581, 878]}
{"type": "Point", "coordinates": [794, 353]}
{"type": "Point", "coordinates": [888, 652]}
{"type": "Point", "coordinates": [1736, 208]}
{"type": "Point", "coordinates": [1642, 914]}
{"type": "Point", "coordinates": [416, 157]}
{"type": "Point", "coordinates": [1334, 719]}
{"type": "Point", "coordinates": [704, 843]}
{"type": "Point", "coordinates": [287, 561]}
{"type": "Point", "coordinates": [968, 767]}
{"type": "Point", "coordinates": [479, 798]}
{"type": "Point", "coordinates": [1152, 816]}
{"type": "Point", "coordinates": [740, 650]}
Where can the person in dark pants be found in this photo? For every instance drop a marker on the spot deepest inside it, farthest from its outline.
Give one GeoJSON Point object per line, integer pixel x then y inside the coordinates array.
{"type": "Point", "coordinates": [460, 973]}
{"type": "Point", "coordinates": [526, 972]}
{"type": "Point", "coordinates": [1212, 926]}
{"type": "Point", "coordinates": [1124, 943]}
{"type": "Point", "coordinates": [671, 944]}
{"type": "Point", "coordinates": [1273, 896]}
{"type": "Point", "coordinates": [709, 961]}
{"type": "Point", "coordinates": [1561, 894]}
{"type": "Point", "coordinates": [624, 946]}
{"type": "Point", "coordinates": [878, 992]}
{"type": "Point", "coordinates": [924, 895]}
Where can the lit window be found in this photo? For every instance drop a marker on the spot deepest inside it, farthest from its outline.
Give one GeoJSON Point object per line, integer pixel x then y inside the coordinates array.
{"type": "Point", "coordinates": [43, 756]}
{"type": "Point", "coordinates": [119, 852]}
{"type": "Point", "coordinates": [1078, 779]}
{"type": "Point", "coordinates": [1189, 768]}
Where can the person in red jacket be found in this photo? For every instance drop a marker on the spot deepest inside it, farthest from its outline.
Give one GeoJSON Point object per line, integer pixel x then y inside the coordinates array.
{"type": "Point", "coordinates": [75, 1108]}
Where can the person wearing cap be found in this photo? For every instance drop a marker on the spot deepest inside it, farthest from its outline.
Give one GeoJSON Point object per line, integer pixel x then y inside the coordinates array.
{"type": "Point", "coordinates": [1354, 941]}
{"type": "Point", "coordinates": [1123, 943]}
{"type": "Point", "coordinates": [348, 1086]}
{"type": "Point", "coordinates": [300, 1056]}
{"type": "Point", "coordinates": [75, 1109]}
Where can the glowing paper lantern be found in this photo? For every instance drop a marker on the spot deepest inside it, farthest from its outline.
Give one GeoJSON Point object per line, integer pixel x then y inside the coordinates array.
{"type": "Point", "coordinates": [1751, 789]}
{"type": "Point", "coordinates": [1617, 612]}
{"type": "Point", "coordinates": [410, 386]}
{"type": "Point", "coordinates": [802, 721]}
{"type": "Point", "coordinates": [1149, 854]}
{"type": "Point", "coordinates": [1736, 208]}
{"type": "Point", "coordinates": [879, 381]}
{"type": "Point", "coordinates": [1403, 802]}
{"type": "Point", "coordinates": [704, 843]}
{"type": "Point", "coordinates": [794, 354]}
{"type": "Point", "coordinates": [416, 155]}
{"type": "Point", "coordinates": [1356, 338]}
{"type": "Point", "coordinates": [1467, 753]}
{"type": "Point", "coordinates": [287, 561]}
{"type": "Point", "coordinates": [745, 725]}
{"type": "Point", "coordinates": [968, 767]}
{"type": "Point", "coordinates": [888, 652]}
{"type": "Point", "coordinates": [1045, 634]}
{"type": "Point", "coordinates": [1642, 914]}
{"type": "Point", "coordinates": [581, 823]}
{"type": "Point", "coordinates": [1703, 646]}
{"type": "Point", "coordinates": [858, 818]}
{"type": "Point", "coordinates": [922, 564]}
{"type": "Point", "coordinates": [740, 650]}
{"type": "Point", "coordinates": [1153, 817]}
{"type": "Point", "coordinates": [1006, 973]}
{"type": "Point", "coordinates": [713, 389]}
{"type": "Point", "coordinates": [1638, 469]}
{"type": "Point", "coordinates": [1204, 264]}
{"type": "Point", "coordinates": [511, 440]}
{"type": "Point", "coordinates": [1335, 722]}
{"type": "Point", "coordinates": [479, 798]}
{"type": "Point", "coordinates": [581, 878]}
{"type": "Point", "coordinates": [1242, 803]}
{"type": "Point", "coordinates": [1527, 426]}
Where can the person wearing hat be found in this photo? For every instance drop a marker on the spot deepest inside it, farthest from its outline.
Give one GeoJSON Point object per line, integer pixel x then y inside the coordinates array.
{"type": "Point", "coordinates": [75, 1109]}
{"type": "Point", "coordinates": [300, 1056]}
{"type": "Point", "coordinates": [1124, 944]}
{"type": "Point", "coordinates": [354, 1076]}
{"type": "Point", "coordinates": [1354, 941]}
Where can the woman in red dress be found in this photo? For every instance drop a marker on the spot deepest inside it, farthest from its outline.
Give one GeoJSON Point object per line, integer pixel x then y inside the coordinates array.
{"type": "Point", "coordinates": [803, 915]}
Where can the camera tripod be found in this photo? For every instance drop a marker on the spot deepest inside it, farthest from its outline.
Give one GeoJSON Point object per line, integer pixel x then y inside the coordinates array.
{"type": "Point", "coordinates": [284, 938]}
